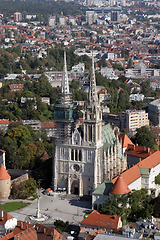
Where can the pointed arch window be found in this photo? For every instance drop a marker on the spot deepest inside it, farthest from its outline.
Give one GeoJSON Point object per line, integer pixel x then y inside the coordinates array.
{"type": "Point", "coordinates": [80, 155]}
{"type": "Point", "coordinates": [72, 154]}
{"type": "Point", "coordinates": [76, 157]}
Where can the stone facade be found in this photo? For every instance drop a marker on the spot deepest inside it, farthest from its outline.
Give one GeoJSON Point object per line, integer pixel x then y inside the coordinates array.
{"type": "Point", "coordinates": [82, 161]}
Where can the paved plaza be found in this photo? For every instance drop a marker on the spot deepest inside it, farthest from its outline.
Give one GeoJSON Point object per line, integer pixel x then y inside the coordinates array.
{"type": "Point", "coordinates": [65, 207]}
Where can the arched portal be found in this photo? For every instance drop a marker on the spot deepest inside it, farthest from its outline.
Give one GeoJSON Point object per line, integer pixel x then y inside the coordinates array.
{"type": "Point", "coordinates": [75, 187]}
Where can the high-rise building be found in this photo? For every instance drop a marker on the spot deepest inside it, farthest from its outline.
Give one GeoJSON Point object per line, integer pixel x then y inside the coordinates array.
{"type": "Point", "coordinates": [62, 20]}
{"type": "Point", "coordinates": [17, 17]}
{"type": "Point", "coordinates": [134, 119]}
{"type": "Point", "coordinates": [114, 16]}
{"type": "Point", "coordinates": [83, 160]}
{"type": "Point", "coordinates": [52, 21]}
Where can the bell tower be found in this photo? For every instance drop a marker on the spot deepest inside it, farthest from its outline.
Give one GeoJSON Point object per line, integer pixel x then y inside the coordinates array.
{"type": "Point", "coordinates": [64, 108]}
{"type": "Point", "coordinates": [92, 117]}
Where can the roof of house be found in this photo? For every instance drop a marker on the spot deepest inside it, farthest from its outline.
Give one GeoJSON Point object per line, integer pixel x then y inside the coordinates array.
{"type": "Point", "coordinates": [120, 187]}
{"type": "Point", "coordinates": [9, 236]}
{"type": "Point", "coordinates": [103, 188]}
{"type": "Point", "coordinates": [3, 173]}
{"type": "Point", "coordinates": [47, 233]}
{"type": "Point", "coordinates": [48, 125]}
{"type": "Point", "coordinates": [125, 140]}
{"type": "Point", "coordinates": [6, 216]}
{"type": "Point", "coordinates": [139, 151]}
{"type": "Point", "coordinates": [16, 86]}
{"type": "Point", "coordinates": [151, 161]}
{"type": "Point", "coordinates": [21, 226]}
{"type": "Point", "coordinates": [130, 175]}
{"type": "Point", "coordinates": [101, 220]}
{"type": "Point", "coordinates": [27, 234]}
{"type": "Point", "coordinates": [44, 156]}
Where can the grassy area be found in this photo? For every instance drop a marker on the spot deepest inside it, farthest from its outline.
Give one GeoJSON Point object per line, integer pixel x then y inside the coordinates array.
{"type": "Point", "coordinates": [12, 206]}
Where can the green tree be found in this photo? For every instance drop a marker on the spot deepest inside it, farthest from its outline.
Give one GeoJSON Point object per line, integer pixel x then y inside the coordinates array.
{"type": "Point", "coordinates": [157, 179]}
{"type": "Point", "coordinates": [144, 137]}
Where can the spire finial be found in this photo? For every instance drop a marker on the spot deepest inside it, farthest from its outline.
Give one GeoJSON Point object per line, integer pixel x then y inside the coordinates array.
{"type": "Point", "coordinates": [92, 95]}
{"type": "Point", "coordinates": [65, 85]}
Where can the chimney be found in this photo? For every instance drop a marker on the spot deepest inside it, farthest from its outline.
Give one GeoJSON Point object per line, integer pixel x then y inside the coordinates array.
{"type": "Point", "coordinates": [136, 144]}
{"type": "Point", "coordinates": [139, 159]}
{"type": "Point", "coordinates": [21, 225]}
{"type": "Point", "coordinates": [144, 149]}
{"type": "Point", "coordinates": [134, 147]}
{"type": "Point", "coordinates": [44, 230]}
{"type": "Point", "coordinates": [129, 166]}
{"type": "Point", "coordinates": [148, 149]}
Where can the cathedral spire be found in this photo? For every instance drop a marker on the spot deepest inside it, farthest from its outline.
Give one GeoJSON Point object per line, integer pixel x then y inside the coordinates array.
{"type": "Point", "coordinates": [65, 85]}
{"type": "Point", "coordinates": [92, 94]}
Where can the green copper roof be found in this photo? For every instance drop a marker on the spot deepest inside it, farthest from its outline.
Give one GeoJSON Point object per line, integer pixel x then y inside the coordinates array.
{"type": "Point", "coordinates": [144, 171]}
{"type": "Point", "coordinates": [108, 136]}
{"type": "Point", "coordinates": [103, 189]}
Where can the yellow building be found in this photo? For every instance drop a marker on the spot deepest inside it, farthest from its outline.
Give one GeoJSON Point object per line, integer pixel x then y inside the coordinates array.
{"type": "Point", "coordinates": [134, 119]}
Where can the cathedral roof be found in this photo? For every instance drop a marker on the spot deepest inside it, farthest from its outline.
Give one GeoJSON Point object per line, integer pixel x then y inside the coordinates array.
{"type": "Point", "coordinates": [3, 173]}
{"type": "Point", "coordinates": [120, 187]}
{"type": "Point", "coordinates": [103, 188]}
{"type": "Point", "coordinates": [125, 140]}
{"type": "Point", "coordinates": [108, 136]}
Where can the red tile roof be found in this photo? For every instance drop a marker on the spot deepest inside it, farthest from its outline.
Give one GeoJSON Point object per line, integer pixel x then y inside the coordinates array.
{"type": "Point", "coordinates": [16, 86]}
{"type": "Point", "coordinates": [101, 220]}
{"type": "Point", "coordinates": [48, 125]}
{"type": "Point", "coordinates": [28, 234]}
{"type": "Point", "coordinates": [6, 216]}
{"type": "Point", "coordinates": [47, 233]}
{"type": "Point", "coordinates": [125, 140]}
{"type": "Point", "coordinates": [151, 161]}
{"type": "Point", "coordinates": [21, 226]}
{"type": "Point", "coordinates": [3, 173]}
{"type": "Point", "coordinates": [120, 187]}
{"type": "Point", "coordinates": [9, 236]}
{"type": "Point", "coordinates": [139, 151]}
{"type": "Point", "coordinates": [129, 175]}
{"type": "Point", "coordinates": [4, 121]}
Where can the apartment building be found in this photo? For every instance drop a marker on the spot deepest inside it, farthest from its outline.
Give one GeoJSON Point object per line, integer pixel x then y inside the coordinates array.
{"type": "Point", "coordinates": [154, 112]}
{"type": "Point", "coordinates": [134, 119]}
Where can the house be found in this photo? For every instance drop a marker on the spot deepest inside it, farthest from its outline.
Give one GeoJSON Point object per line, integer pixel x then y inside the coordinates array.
{"type": "Point", "coordinates": [16, 87]}
{"type": "Point", "coordinates": [49, 127]}
{"type": "Point", "coordinates": [27, 231]}
{"type": "Point", "coordinates": [7, 222]}
{"type": "Point", "coordinates": [97, 222]}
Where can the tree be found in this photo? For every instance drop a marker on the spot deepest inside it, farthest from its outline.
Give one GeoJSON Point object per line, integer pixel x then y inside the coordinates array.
{"type": "Point", "coordinates": [60, 225]}
{"type": "Point", "coordinates": [144, 137]}
{"type": "Point", "coordinates": [157, 179]}
{"type": "Point", "coordinates": [130, 63]}
{"type": "Point", "coordinates": [116, 205]}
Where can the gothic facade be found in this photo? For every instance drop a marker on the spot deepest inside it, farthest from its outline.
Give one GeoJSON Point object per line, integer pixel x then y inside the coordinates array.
{"type": "Point", "coordinates": [80, 164]}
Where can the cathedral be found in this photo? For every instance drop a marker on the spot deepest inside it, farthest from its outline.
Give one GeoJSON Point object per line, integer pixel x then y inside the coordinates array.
{"type": "Point", "coordinates": [83, 161]}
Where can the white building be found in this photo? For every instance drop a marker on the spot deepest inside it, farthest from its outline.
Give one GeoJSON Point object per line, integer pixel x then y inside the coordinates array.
{"type": "Point", "coordinates": [109, 73]}
{"type": "Point", "coordinates": [136, 97]}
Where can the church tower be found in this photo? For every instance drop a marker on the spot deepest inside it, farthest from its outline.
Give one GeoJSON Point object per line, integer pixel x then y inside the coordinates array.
{"type": "Point", "coordinates": [63, 109]}
{"type": "Point", "coordinates": [92, 117]}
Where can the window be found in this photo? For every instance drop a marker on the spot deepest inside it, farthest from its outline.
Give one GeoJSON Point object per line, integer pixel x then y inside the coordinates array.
{"type": "Point", "coordinates": [72, 154]}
